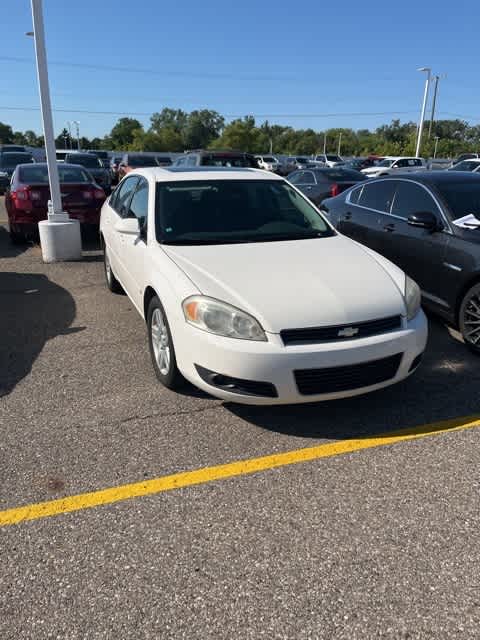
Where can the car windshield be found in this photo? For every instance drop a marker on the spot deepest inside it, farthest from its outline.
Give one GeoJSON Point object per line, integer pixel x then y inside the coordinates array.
{"type": "Point", "coordinates": [234, 211]}
{"type": "Point", "coordinates": [342, 174]}
{"type": "Point", "coordinates": [142, 161]}
{"type": "Point", "coordinates": [218, 160]}
{"type": "Point", "coordinates": [90, 162]}
{"type": "Point", "coordinates": [385, 163]}
{"type": "Point", "coordinates": [463, 198]}
{"type": "Point", "coordinates": [466, 165]}
{"type": "Point", "coordinates": [38, 174]}
{"type": "Point", "coordinates": [12, 159]}
{"type": "Point", "coordinates": [302, 160]}
{"type": "Point", "coordinates": [268, 159]}
{"type": "Point", "coordinates": [332, 158]}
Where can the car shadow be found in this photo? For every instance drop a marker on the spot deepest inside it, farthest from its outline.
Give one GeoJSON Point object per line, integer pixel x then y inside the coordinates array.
{"type": "Point", "coordinates": [9, 250]}
{"type": "Point", "coordinates": [33, 310]}
{"type": "Point", "coordinates": [444, 387]}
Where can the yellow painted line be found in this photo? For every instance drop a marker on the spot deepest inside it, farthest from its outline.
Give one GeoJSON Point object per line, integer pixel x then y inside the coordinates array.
{"type": "Point", "coordinates": [239, 468]}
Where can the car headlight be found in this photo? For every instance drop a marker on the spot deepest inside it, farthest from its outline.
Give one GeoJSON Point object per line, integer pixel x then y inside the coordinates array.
{"type": "Point", "coordinates": [221, 319]}
{"type": "Point", "coordinates": [413, 298]}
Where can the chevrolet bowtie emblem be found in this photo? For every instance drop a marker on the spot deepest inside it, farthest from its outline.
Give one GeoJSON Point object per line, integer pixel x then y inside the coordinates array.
{"type": "Point", "coordinates": [348, 332]}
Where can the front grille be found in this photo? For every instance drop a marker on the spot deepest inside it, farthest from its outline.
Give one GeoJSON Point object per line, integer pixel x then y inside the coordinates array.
{"type": "Point", "coordinates": [346, 378]}
{"type": "Point", "coordinates": [311, 335]}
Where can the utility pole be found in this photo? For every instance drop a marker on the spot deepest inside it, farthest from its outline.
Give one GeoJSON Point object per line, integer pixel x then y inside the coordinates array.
{"type": "Point", "coordinates": [59, 235]}
{"type": "Point", "coordinates": [324, 144]}
{"type": "Point", "coordinates": [436, 145]}
{"type": "Point", "coordinates": [435, 89]}
{"type": "Point", "coordinates": [69, 125]}
{"type": "Point", "coordinates": [422, 113]}
{"type": "Point", "coordinates": [339, 143]}
{"type": "Point", "coordinates": [77, 126]}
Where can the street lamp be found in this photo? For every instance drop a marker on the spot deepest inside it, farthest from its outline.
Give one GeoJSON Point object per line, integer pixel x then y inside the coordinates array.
{"type": "Point", "coordinates": [339, 143]}
{"type": "Point", "coordinates": [69, 125]}
{"type": "Point", "coordinates": [434, 103]}
{"type": "Point", "coordinates": [59, 235]}
{"type": "Point", "coordinates": [436, 145]}
{"type": "Point", "coordinates": [77, 126]}
{"type": "Point", "coordinates": [424, 106]}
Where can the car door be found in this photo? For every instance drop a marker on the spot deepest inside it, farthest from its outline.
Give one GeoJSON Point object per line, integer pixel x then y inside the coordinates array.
{"type": "Point", "coordinates": [419, 252]}
{"type": "Point", "coordinates": [306, 183]}
{"type": "Point", "coordinates": [118, 207]}
{"type": "Point", "coordinates": [364, 208]}
{"type": "Point", "coordinates": [134, 246]}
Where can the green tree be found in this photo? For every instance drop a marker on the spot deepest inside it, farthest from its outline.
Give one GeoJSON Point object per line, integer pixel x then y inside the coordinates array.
{"type": "Point", "coordinates": [239, 134]}
{"type": "Point", "coordinates": [122, 134]}
{"type": "Point", "coordinates": [6, 133]}
{"type": "Point", "coordinates": [174, 119]}
{"type": "Point", "coordinates": [202, 128]}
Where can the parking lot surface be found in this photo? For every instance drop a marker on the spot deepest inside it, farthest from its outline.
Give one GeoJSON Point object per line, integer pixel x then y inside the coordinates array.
{"type": "Point", "coordinates": [380, 542]}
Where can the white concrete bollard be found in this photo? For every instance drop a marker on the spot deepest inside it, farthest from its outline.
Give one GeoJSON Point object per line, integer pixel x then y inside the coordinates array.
{"type": "Point", "coordinates": [60, 239]}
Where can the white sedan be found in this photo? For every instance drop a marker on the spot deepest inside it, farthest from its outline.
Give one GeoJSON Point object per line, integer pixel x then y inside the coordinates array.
{"type": "Point", "coordinates": [250, 294]}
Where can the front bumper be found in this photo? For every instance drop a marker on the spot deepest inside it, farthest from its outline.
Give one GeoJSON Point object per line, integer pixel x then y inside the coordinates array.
{"type": "Point", "coordinates": [272, 362]}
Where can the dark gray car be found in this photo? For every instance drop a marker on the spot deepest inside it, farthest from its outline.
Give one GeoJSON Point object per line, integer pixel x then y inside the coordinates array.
{"type": "Point", "coordinates": [8, 162]}
{"type": "Point", "coordinates": [95, 166]}
{"type": "Point", "coordinates": [324, 182]}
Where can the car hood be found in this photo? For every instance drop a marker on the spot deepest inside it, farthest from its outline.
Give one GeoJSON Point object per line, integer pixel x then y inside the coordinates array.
{"type": "Point", "coordinates": [296, 284]}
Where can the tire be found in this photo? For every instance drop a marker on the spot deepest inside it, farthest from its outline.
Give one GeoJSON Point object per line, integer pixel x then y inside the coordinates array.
{"type": "Point", "coordinates": [469, 318]}
{"type": "Point", "coordinates": [162, 350]}
{"type": "Point", "coordinates": [17, 237]}
{"type": "Point", "coordinates": [112, 283]}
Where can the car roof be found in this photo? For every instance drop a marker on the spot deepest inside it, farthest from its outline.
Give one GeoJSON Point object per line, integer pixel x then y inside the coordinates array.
{"type": "Point", "coordinates": [469, 160]}
{"type": "Point", "coordinates": [70, 165]}
{"type": "Point", "coordinates": [173, 174]}
{"type": "Point", "coordinates": [436, 177]}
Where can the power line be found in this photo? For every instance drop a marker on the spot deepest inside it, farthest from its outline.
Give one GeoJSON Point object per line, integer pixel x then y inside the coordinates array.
{"type": "Point", "coordinates": [227, 115]}
{"type": "Point", "coordinates": [155, 72]}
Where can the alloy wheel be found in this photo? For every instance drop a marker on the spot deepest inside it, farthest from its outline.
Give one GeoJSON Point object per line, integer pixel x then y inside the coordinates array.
{"type": "Point", "coordinates": [471, 319]}
{"type": "Point", "coordinates": [160, 342]}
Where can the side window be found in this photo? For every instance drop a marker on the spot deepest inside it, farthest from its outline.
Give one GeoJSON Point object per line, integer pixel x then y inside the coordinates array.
{"type": "Point", "coordinates": [139, 202]}
{"type": "Point", "coordinates": [293, 177]}
{"type": "Point", "coordinates": [418, 162]}
{"type": "Point", "coordinates": [401, 163]}
{"type": "Point", "coordinates": [122, 195]}
{"type": "Point", "coordinates": [181, 161]}
{"type": "Point", "coordinates": [191, 161]}
{"type": "Point", "coordinates": [355, 194]}
{"type": "Point", "coordinates": [310, 178]}
{"type": "Point", "coordinates": [412, 198]}
{"type": "Point", "coordinates": [378, 195]}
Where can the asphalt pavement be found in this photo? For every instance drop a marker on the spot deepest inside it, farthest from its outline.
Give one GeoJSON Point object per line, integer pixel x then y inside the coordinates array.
{"type": "Point", "coordinates": [377, 543]}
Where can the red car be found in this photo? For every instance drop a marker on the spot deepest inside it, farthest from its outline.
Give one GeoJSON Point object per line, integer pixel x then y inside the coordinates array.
{"type": "Point", "coordinates": [27, 198]}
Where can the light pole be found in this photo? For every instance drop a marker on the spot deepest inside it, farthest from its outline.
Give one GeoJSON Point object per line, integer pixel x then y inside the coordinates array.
{"type": "Point", "coordinates": [59, 236]}
{"type": "Point", "coordinates": [436, 145]}
{"type": "Point", "coordinates": [77, 126]}
{"type": "Point", "coordinates": [324, 144]}
{"type": "Point", "coordinates": [434, 102]}
{"type": "Point", "coordinates": [424, 106]}
{"type": "Point", "coordinates": [339, 143]}
{"type": "Point", "coordinates": [69, 125]}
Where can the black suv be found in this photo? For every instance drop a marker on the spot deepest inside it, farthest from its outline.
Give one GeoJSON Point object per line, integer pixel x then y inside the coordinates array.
{"type": "Point", "coordinates": [95, 167]}
{"type": "Point", "coordinates": [203, 158]}
{"type": "Point", "coordinates": [429, 225]}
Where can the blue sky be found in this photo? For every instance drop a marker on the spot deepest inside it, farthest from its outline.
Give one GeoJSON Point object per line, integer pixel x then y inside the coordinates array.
{"type": "Point", "coordinates": [280, 60]}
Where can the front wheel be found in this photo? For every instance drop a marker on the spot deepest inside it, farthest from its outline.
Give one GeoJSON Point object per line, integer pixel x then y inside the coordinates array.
{"type": "Point", "coordinates": [469, 319]}
{"type": "Point", "coordinates": [112, 283]}
{"type": "Point", "coordinates": [162, 350]}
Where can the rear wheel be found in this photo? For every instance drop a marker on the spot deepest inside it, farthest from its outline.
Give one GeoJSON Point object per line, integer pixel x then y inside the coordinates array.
{"type": "Point", "coordinates": [17, 237]}
{"type": "Point", "coordinates": [161, 346]}
{"type": "Point", "coordinates": [112, 283]}
{"type": "Point", "coordinates": [469, 319]}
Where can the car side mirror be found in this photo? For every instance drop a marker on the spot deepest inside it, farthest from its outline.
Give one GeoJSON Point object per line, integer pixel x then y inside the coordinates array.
{"type": "Point", "coordinates": [425, 220]}
{"type": "Point", "coordinates": [128, 226]}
